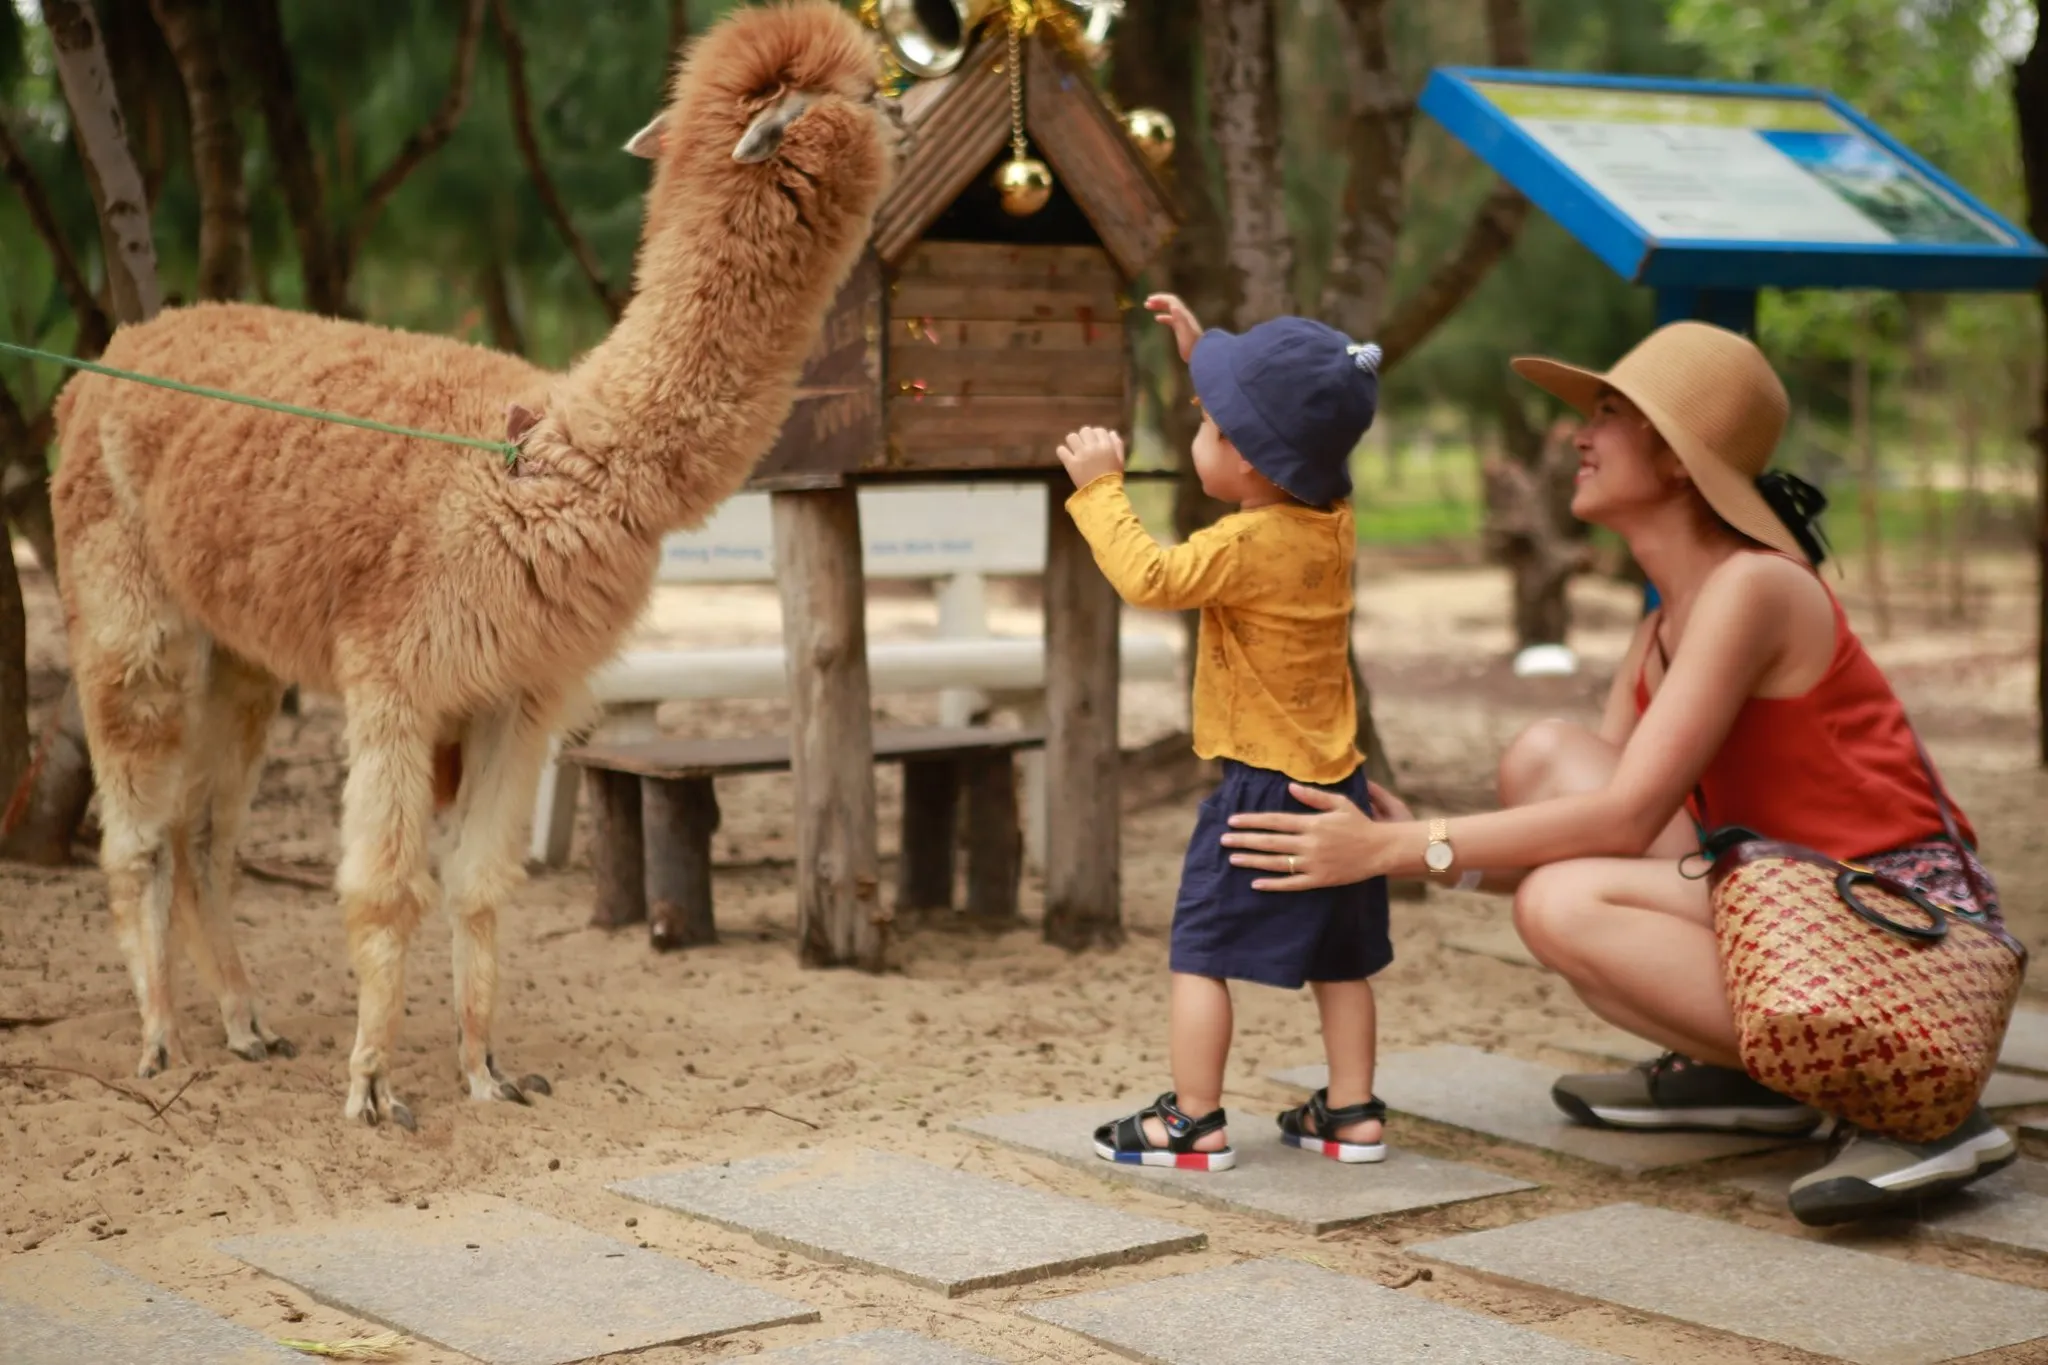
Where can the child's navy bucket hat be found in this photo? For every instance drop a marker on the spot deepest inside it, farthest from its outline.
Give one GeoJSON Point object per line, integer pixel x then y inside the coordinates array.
{"type": "Point", "coordinates": [1294, 396]}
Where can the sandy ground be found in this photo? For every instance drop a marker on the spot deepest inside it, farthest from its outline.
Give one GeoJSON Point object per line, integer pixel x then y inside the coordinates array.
{"type": "Point", "coordinates": [659, 1061]}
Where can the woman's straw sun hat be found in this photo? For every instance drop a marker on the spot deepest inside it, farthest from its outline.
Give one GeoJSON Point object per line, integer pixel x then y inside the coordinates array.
{"type": "Point", "coordinates": [1716, 402]}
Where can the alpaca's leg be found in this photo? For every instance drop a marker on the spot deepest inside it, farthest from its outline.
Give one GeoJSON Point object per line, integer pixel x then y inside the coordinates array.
{"type": "Point", "coordinates": [226, 758]}
{"type": "Point", "coordinates": [502, 753]}
{"type": "Point", "coordinates": [386, 812]}
{"type": "Point", "coordinates": [137, 678]}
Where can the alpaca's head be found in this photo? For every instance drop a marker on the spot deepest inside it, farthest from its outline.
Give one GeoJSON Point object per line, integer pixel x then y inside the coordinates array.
{"type": "Point", "coordinates": [784, 95]}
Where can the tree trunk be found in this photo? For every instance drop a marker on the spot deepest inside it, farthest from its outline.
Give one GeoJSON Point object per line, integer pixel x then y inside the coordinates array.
{"type": "Point", "coordinates": [51, 801]}
{"type": "Point", "coordinates": [14, 750]}
{"type": "Point", "coordinates": [1529, 525]}
{"type": "Point", "coordinates": [2030, 100]}
{"type": "Point", "coordinates": [1968, 510]}
{"type": "Point", "coordinates": [1244, 115]}
{"type": "Point", "coordinates": [269, 64]}
{"type": "Point", "coordinates": [110, 170]}
{"type": "Point", "coordinates": [494, 282]}
{"type": "Point", "coordinates": [529, 151]}
{"type": "Point", "coordinates": [188, 26]}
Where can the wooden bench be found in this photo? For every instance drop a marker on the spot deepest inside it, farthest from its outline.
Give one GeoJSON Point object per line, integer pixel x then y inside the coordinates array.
{"type": "Point", "coordinates": [656, 809]}
{"type": "Point", "coordinates": [953, 535]}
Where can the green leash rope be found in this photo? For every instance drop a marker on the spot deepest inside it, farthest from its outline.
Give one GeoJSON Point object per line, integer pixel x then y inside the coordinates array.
{"type": "Point", "coordinates": [506, 450]}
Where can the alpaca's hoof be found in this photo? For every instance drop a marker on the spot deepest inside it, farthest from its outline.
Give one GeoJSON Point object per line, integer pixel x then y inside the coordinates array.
{"type": "Point", "coordinates": [509, 1091]}
{"type": "Point", "coordinates": [262, 1049]}
{"type": "Point", "coordinates": [370, 1100]}
{"type": "Point", "coordinates": [156, 1059]}
{"type": "Point", "coordinates": [536, 1085]}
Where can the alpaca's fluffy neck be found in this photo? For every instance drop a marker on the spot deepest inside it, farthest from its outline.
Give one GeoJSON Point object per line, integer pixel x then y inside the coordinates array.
{"type": "Point", "coordinates": [678, 403]}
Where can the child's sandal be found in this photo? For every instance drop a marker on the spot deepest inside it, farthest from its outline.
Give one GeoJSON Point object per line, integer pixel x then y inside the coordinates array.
{"type": "Point", "coordinates": [1295, 1132]}
{"type": "Point", "coordinates": [1125, 1141]}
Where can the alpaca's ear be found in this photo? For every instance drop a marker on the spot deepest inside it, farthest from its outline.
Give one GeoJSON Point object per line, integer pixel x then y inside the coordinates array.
{"type": "Point", "coordinates": [519, 419]}
{"type": "Point", "coordinates": [763, 137]}
{"type": "Point", "coordinates": [647, 142]}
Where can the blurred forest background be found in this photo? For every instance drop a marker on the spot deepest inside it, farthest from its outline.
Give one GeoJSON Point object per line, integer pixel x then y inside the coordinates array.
{"type": "Point", "coordinates": [455, 166]}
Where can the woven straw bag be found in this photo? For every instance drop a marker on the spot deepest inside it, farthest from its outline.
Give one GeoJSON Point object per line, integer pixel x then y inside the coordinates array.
{"type": "Point", "coordinates": [1855, 993]}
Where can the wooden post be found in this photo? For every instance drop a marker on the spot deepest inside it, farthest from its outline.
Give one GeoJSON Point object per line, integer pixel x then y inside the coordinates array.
{"type": "Point", "coordinates": [995, 839]}
{"type": "Point", "coordinates": [931, 804]}
{"type": "Point", "coordinates": [678, 819]}
{"type": "Point", "coordinates": [840, 918]}
{"type": "Point", "coordinates": [617, 851]}
{"type": "Point", "coordinates": [1083, 822]}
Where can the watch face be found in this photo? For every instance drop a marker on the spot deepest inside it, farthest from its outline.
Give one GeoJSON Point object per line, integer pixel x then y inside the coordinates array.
{"type": "Point", "coordinates": [1437, 856]}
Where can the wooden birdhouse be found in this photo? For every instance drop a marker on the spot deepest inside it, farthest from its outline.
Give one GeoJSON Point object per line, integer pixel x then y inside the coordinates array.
{"type": "Point", "coordinates": [969, 338]}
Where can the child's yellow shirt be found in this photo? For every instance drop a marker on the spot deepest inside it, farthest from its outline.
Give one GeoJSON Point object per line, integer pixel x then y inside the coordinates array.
{"type": "Point", "coordinates": [1272, 684]}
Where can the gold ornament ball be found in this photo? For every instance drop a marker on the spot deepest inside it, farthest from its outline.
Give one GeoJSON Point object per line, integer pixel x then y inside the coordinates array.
{"type": "Point", "coordinates": [1026, 186]}
{"type": "Point", "coordinates": [1153, 132]}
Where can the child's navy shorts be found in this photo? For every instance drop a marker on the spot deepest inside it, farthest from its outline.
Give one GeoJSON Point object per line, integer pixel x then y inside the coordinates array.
{"type": "Point", "coordinates": [1223, 928]}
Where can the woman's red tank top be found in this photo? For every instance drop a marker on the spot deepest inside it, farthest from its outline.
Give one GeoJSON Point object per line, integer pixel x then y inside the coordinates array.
{"type": "Point", "coordinates": [1835, 769]}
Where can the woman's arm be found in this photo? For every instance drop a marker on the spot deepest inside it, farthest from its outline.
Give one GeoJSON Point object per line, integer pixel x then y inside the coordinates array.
{"type": "Point", "coordinates": [1735, 635]}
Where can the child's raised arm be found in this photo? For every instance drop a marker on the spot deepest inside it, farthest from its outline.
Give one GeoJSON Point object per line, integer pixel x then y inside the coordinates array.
{"type": "Point", "coordinates": [1144, 572]}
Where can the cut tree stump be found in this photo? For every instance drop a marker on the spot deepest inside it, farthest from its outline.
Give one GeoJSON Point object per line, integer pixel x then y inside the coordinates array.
{"type": "Point", "coordinates": [618, 858]}
{"type": "Point", "coordinates": [931, 810]}
{"type": "Point", "coordinates": [677, 820]}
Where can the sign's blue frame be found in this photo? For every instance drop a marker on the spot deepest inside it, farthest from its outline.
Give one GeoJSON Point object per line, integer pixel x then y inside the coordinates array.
{"type": "Point", "coordinates": [1692, 271]}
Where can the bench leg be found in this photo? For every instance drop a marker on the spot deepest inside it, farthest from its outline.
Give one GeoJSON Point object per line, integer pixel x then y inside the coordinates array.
{"type": "Point", "coordinates": [995, 844]}
{"type": "Point", "coordinates": [679, 819]}
{"type": "Point", "coordinates": [554, 809]}
{"type": "Point", "coordinates": [618, 851]}
{"type": "Point", "coordinates": [931, 804]}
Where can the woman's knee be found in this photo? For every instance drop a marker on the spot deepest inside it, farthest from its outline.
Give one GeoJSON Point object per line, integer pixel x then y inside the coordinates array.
{"type": "Point", "coordinates": [1552, 907]}
{"type": "Point", "coordinates": [1550, 758]}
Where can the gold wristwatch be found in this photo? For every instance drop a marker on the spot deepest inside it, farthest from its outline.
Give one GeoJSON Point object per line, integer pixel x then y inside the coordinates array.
{"type": "Point", "coordinates": [1439, 856]}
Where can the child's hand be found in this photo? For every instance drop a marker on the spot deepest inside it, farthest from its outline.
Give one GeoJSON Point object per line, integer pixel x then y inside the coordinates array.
{"type": "Point", "coordinates": [1169, 311]}
{"type": "Point", "coordinates": [1090, 453]}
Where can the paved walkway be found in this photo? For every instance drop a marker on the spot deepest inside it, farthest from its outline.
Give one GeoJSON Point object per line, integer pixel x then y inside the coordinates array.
{"type": "Point", "coordinates": [502, 1284]}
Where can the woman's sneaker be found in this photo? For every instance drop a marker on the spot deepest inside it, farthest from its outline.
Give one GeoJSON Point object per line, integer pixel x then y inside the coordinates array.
{"type": "Point", "coordinates": [1870, 1175]}
{"type": "Point", "coordinates": [1676, 1092]}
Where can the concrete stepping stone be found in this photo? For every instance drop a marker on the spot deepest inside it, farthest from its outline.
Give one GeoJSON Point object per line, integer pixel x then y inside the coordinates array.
{"type": "Point", "coordinates": [1270, 1179]}
{"type": "Point", "coordinates": [1598, 1038]}
{"type": "Point", "coordinates": [2014, 1090]}
{"type": "Point", "coordinates": [953, 1231]}
{"type": "Point", "coordinates": [73, 1309]}
{"type": "Point", "coordinates": [1261, 1312]}
{"type": "Point", "coordinates": [510, 1286]}
{"type": "Point", "coordinates": [1794, 1291]}
{"type": "Point", "coordinates": [886, 1347]}
{"type": "Point", "coordinates": [2009, 1208]}
{"type": "Point", "coordinates": [1505, 1097]}
{"type": "Point", "coordinates": [2026, 1042]}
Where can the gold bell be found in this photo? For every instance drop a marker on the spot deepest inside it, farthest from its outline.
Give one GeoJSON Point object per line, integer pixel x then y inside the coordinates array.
{"type": "Point", "coordinates": [1152, 130]}
{"type": "Point", "coordinates": [1025, 184]}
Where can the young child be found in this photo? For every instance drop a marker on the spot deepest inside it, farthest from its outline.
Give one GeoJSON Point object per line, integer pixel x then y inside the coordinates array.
{"type": "Point", "coordinates": [1282, 407]}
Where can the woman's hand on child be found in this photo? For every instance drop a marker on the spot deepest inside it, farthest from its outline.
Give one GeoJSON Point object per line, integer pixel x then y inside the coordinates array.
{"type": "Point", "coordinates": [1091, 453]}
{"type": "Point", "coordinates": [1337, 845]}
{"type": "Point", "coordinates": [1169, 311]}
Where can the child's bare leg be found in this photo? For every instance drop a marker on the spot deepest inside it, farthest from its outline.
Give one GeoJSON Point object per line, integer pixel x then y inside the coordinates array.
{"type": "Point", "coordinates": [1198, 1027]}
{"type": "Point", "coordinates": [1349, 1041]}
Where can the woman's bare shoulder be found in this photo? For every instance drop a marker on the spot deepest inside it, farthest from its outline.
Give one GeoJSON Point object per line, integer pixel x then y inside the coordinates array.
{"type": "Point", "coordinates": [1766, 581]}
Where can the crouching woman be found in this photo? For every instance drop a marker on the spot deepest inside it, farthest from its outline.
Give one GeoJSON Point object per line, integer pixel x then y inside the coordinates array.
{"type": "Point", "coordinates": [1745, 699]}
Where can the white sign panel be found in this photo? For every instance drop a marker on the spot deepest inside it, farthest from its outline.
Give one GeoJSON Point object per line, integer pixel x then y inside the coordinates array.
{"type": "Point", "coordinates": [1738, 167]}
{"type": "Point", "coordinates": [925, 531]}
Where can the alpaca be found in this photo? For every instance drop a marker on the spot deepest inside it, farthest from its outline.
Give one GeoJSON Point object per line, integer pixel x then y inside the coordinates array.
{"type": "Point", "coordinates": [214, 553]}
